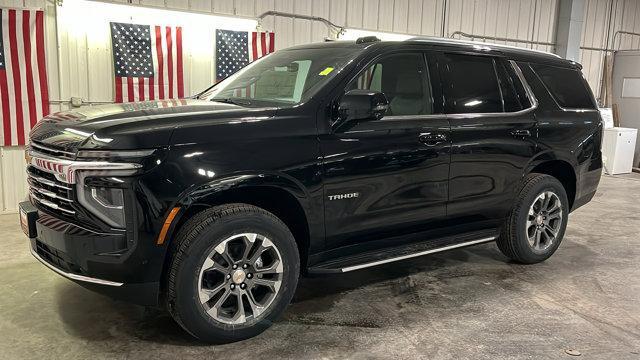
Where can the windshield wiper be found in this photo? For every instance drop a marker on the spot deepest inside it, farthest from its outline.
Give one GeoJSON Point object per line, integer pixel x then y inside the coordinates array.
{"type": "Point", "coordinates": [234, 101]}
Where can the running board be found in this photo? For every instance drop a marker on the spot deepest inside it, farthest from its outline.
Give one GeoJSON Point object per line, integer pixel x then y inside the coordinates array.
{"type": "Point", "coordinates": [385, 256]}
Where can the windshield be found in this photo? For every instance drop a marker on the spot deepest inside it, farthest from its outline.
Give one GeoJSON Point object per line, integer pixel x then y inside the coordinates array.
{"type": "Point", "coordinates": [286, 77]}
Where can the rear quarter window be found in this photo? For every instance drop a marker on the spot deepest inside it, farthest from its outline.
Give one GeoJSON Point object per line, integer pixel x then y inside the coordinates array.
{"type": "Point", "coordinates": [566, 86]}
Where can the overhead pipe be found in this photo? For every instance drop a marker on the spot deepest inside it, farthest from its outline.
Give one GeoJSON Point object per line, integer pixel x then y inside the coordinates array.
{"type": "Point", "coordinates": [495, 38]}
{"type": "Point", "coordinates": [615, 37]}
{"type": "Point", "coordinates": [337, 29]}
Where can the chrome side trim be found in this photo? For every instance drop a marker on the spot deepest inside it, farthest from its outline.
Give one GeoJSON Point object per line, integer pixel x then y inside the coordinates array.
{"type": "Point", "coordinates": [75, 276]}
{"type": "Point", "coordinates": [532, 98]}
{"type": "Point", "coordinates": [409, 256]}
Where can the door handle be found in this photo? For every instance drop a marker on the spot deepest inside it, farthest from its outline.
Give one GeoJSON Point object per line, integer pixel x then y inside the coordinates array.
{"type": "Point", "coordinates": [432, 139]}
{"type": "Point", "coordinates": [520, 132]}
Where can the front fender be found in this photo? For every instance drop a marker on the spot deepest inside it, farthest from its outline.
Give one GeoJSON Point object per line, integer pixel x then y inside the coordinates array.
{"type": "Point", "coordinates": [206, 191]}
{"type": "Point", "coordinates": [211, 193]}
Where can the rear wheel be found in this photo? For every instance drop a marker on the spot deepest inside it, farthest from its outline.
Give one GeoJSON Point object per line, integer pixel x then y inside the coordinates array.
{"type": "Point", "coordinates": [234, 271]}
{"type": "Point", "coordinates": [536, 225]}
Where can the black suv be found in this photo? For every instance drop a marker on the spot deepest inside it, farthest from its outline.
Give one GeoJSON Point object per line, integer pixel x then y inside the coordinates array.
{"type": "Point", "coordinates": [322, 158]}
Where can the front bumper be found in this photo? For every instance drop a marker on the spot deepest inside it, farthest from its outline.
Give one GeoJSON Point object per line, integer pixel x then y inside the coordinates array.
{"type": "Point", "coordinates": [84, 256]}
{"type": "Point", "coordinates": [70, 275]}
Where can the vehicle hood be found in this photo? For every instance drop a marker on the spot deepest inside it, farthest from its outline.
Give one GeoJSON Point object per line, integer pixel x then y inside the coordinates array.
{"type": "Point", "coordinates": [139, 125]}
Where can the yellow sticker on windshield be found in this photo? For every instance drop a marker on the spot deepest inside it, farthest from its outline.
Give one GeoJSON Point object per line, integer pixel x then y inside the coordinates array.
{"type": "Point", "coordinates": [326, 71]}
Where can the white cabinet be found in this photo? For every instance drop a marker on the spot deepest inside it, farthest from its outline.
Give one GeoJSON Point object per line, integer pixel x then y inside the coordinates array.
{"type": "Point", "coordinates": [618, 147]}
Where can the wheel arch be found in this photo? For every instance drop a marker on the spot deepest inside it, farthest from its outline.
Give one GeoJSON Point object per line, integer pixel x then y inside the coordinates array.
{"type": "Point", "coordinates": [560, 167]}
{"type": "Point", "coordinates": [275, 193]}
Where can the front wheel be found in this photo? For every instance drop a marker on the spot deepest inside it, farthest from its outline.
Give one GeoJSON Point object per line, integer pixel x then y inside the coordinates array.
{"type": "Point", "coordinates": [233, 272]}
{"type": "Point", "coordinates": [536, 225]}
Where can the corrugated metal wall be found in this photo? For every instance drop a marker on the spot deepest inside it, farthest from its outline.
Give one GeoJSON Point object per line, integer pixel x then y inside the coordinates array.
{"type": "Point", "coordinates": [85, 69]}
{"type": "Point", "coordinates": [603, 18]}
{"type": "Point", "coordinates": [13, 179]}
{"type": "Point", "coordinates": [525, 20]}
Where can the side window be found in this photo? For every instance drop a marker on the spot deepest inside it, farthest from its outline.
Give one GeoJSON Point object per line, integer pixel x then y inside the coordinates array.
{"type": "Point", "coordinates": [518, 85]}
{"type": "Point", "coordinates": [404, 79]}
{"type": "Point", "coordinates": [566, 85]}
{"type": "Point", "coordinates": [371, 78]}
{"type": "Point", "coordinates": [472, 85]}
{"type": "Point", "coordinates": [512, 100]}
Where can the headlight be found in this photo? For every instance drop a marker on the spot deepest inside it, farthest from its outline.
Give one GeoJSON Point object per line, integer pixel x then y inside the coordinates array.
{"type": "Point", "coordinates": [104, 202]}
{"type": "Point", "coordinates": [115, 154]}
{"type": "Point", "coordinates": [98, 188]}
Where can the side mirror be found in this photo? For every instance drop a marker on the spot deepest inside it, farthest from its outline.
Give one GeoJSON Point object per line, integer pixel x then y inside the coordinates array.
{"type": "Point", "coordinates": [362, 105]}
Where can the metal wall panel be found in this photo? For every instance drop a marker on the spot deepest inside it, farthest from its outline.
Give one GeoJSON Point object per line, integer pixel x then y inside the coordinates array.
{"type": "Point", "coordinates": [401, 15]}
{"type": "Point", "coordinates": [13, 178]}
{"type": "Point", "coordinates": [602, 19]}
{"type": "Point", "coordinates": [13, 188]}
{"type": "Point", "coordinates": [531, 20]}
{"type": "Point", "coordinates": [432, 19]}
{"type": "Point", "coordinates": [522, 19]}
{"type": "Point", "coordinates": [319, 8]}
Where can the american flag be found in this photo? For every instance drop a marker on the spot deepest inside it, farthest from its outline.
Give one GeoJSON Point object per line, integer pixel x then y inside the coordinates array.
{"type": "Point", "coordinates": [147, 61]}
{"type": "Point", "coordinates": [149, 105]}
{"type": "Point", "coordinates": [236, 49]}
{"type": "Point", "coordinates": [364, 80]}
{"type": "Point", "coordinates": [24, 97]}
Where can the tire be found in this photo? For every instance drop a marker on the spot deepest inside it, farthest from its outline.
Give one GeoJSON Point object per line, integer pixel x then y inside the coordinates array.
{"type": "Point", "coordinates": [516, 240]}
{"type": "Point", "coordinates": [213, 240]}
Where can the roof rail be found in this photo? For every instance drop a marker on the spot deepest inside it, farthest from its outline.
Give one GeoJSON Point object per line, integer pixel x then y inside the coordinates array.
{"type": "Point", "coordinates": [438, 40]}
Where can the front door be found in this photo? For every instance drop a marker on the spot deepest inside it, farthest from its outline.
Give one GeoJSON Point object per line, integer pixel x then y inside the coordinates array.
{"type": "Point", "coordinates": [388, 177]}
{"type": "Point", "coordinates": [493, 134]}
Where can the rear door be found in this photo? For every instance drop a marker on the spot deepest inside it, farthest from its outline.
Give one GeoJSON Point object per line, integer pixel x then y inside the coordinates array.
{"type": "Point", "coordinates": [389, 177]}
{"type": "Point", "coordinates": [493, 136]}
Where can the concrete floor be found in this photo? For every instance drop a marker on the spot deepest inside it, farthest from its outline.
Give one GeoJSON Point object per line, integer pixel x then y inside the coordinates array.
{"type": "Point", "coordinates": [468, 303]}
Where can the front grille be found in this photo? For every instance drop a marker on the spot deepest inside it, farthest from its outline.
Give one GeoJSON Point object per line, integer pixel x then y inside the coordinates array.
{"type": "Point", "coordinates": [49, 192]}
{"type": "Point", "coordinates": [48, 150]}
{"type": "Point", "coordinates": [57, 258]}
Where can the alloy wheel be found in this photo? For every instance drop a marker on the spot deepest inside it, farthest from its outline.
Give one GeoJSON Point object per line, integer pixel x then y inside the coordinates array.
{"type": "Point", "coordinates": [240, 278]}
{"type": "Point", "coordinates": [544, 221]}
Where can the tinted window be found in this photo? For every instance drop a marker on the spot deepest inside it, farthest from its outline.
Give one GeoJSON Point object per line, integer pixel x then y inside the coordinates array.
{"type": "Point", "coordinates": [403, 78]}
{"type": "Point", "coordinates": [566, 85]}
{"type": "Point", "coordinates": [510, 96]}
{"type": "Point", "coordinates": [371, 78]}
{"type": "Point", "coordinates": [518, 85]}
{"type": "Point", "coordinates": [472, 85]}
